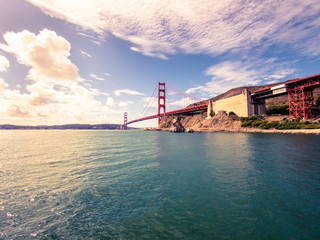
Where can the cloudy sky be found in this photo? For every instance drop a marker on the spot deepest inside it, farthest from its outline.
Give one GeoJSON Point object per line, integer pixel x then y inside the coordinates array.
{"type": "Point", "coordinates": [88, 61]}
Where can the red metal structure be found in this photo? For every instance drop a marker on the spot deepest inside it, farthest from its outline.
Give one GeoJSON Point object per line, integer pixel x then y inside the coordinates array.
{"type": "Point", "coordinates": [179, 111]}
{"type": "Point", "coordinates": [161, 100]}
{"type": "Point", "coordinates": [162, 105]}
{"type": "Point", "coordinates": [125, 121]}
{"type": "Point", "coordinates": [300, 94]}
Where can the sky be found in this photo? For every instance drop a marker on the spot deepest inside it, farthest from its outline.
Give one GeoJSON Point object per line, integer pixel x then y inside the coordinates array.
{"type": "Point", "coordinates": [89, 61]}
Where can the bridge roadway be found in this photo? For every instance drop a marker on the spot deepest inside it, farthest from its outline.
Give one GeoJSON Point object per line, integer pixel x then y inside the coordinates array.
{"type": "Point", "coordinates": [285, 87]}
{"type": "Point", "coordinates": [298, 91]}
{"type": "Point", "coordinates": [179, 111]}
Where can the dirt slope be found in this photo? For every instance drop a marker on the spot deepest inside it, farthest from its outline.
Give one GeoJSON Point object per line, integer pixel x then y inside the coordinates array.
{"type": "Point", "coordinates": [199, 122]}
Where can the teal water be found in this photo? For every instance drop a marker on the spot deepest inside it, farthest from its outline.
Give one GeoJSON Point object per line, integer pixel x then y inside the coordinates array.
{"type": "Point", "coordinates": [57, 184]}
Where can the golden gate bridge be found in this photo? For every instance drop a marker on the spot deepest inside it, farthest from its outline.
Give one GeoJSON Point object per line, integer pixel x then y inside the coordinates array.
{"type": "Point", "coordinates": [299, 91]}
{"type": "Point", "coordinates": [194, 104]}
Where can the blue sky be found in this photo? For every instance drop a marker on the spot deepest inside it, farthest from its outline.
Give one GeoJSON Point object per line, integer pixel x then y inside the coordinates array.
{"type": "Point", "coordinates": [88, 61]}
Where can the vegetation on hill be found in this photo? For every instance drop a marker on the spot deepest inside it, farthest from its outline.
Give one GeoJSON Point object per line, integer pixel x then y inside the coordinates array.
{"type": "Point", "coordinates": [260, 122]}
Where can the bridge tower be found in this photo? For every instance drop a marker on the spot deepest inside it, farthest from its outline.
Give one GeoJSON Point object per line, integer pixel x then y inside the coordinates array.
{"type": "Point", "coordinates": [300, 103]}
{"type": "Point", "coordinates": [161, 100]}
{"type": "Point", "coordinates": [125, 121]}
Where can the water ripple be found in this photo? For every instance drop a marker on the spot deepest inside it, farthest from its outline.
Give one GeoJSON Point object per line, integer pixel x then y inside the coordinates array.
{"type": "Point", "coordinates": [157, 185]}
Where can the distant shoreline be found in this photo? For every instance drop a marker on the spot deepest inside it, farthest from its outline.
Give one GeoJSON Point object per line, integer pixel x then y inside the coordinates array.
{"type": "Point", "coordinates": [62, 127]}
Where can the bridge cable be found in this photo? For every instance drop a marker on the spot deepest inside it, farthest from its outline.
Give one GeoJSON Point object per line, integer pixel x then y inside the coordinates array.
{"type": "Point", "coordinates": [184, 94]}
{"type": "Point", "coordinates": [147, 106]}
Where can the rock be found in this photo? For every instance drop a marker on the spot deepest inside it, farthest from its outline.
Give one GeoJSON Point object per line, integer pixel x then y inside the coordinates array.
{"type": "Point", "coordinates": [177, 127]}
{"type": "Point", "coordinates": [189, 130]}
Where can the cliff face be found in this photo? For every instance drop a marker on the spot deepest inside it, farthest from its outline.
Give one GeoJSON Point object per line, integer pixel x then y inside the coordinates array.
{"type": "Point", "coordinates": [200, 122]}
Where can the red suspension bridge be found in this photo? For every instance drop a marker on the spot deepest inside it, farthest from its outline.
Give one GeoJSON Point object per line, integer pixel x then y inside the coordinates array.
{"type": "Point", "coordinates": [299, 91]}
{"type": "Point", "coordinates": [190, 103]}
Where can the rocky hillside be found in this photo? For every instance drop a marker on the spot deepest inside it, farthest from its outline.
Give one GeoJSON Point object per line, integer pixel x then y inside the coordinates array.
{"type": "Point", "coordinates": [224, 122]}
{"type": "Point", "coordinates": [220, 122]}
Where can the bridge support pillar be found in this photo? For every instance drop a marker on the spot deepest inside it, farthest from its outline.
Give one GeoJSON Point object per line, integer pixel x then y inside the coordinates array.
{"type": "Point", "coordinates": [161, 100]}
{"type": "Point", "coordinates": [210, 111]}
{"type": "Point", "coordinates": [259, 107]}
{"type": "Point", "coordinates": [125, 121]}
{"type": "Point", "coordinates": [300, 103]}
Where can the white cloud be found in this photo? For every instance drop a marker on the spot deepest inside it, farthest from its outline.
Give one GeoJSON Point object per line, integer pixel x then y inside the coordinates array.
{"type": "Point", "coordinates": [181, 103]}
{"type": "Point", "coordinates": [125, 103]}
{"type": "Point", "coordinates": [110, 102]}
{"type": "Point", "coordinates": [56, 93]}
{"type": "Point", "coordinates": [127, 91]}
{"type": "Point", "coordinates": [150, 102]}
{"type": "Point", "coordinates": [96, 42]}
{"type": "Point", "coordinates": [96, 77]}
{"type": "Point", "coordinates": [46, 54]}
{"type": "Point", "coordinates": [107, 74]}
{"type": "Point", "coordinates": [191, 90]}
{"type": "Point", "coordinates": [86, 54]}
{"type": "Point", "coordinates": [96, 37]}
{"type": "Point", "coordinates": [161, 28]}
{"type": "Point", "coordinates": [232, 74]}
{"type": "Point", "coordinates": [4, 64]}
{"type": "Point", "coordinates": [3, 85]}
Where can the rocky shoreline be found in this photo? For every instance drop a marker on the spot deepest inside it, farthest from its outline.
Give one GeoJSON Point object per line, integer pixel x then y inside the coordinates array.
{"type": "Point", "coordinates": [221, 122]}
{"type": "Point", "coordinates": [255, 130]}
{"type": "Point", "coordinates": [247, 130]}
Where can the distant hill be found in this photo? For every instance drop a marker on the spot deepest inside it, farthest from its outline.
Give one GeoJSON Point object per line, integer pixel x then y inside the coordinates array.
{"type": "Point", "coordinates": [66, 126]}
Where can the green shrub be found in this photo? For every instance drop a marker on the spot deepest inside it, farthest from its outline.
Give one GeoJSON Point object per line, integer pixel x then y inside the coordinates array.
{"type": "Point", "coordinates": [283, 110]}
{"type": "Point", "coordinates": [311, 126]}
{"type": "Point", "coordinates": [274, 124]}
{"type": "Point", "coordinates": [260, 122]}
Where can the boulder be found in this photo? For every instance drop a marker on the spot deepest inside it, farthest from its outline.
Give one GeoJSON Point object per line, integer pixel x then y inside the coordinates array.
{"type": "Point", "coordinates": [177, 127]}
{"type": "Point", "coordinates": [189, 130]}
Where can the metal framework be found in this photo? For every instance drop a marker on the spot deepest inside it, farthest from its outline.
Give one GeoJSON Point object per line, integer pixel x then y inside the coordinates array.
{"type": "Point", "coordinates": [300, 95]}
{"type": "Point", "coordinates": [300, 103]}
{"type": "Point", "coordinates": [161, 100]}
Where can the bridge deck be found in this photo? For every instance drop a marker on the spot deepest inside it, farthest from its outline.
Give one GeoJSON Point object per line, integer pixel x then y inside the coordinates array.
{"type": "Point", "coordinates": [180, 111]}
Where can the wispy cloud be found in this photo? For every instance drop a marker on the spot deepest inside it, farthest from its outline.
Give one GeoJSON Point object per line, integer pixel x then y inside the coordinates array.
{"type": "Point", "coordinates": [127, 91]}
{"type": "Point", "coordinates": [4, 64]}
{"type": "Point", "coordinates": [86, 54]}
{"type": "Point", "coordinates": [125, 103]}
{"type": "Point", "coordinates": [96, 77]}
{"type": "Point", "coordinates": [162, 28]}
{"type": "Point", "coordinates": [231, 74]}
{"type": "Point", "coordinates": [107, 74]}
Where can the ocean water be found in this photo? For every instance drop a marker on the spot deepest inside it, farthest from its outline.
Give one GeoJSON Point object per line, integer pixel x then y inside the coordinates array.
{"type": "Point", "coordinates": [71, 184]}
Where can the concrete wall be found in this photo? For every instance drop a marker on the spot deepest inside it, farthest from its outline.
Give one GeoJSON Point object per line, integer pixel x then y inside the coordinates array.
{"type": "Point", "coordinates": [241, 105]}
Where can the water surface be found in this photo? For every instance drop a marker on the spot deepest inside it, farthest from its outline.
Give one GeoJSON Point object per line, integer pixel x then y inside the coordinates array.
{"type": "Point", "coordinates": [83, 184]}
